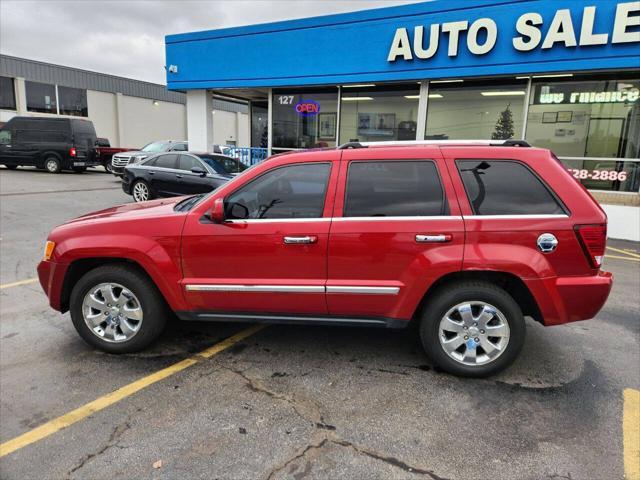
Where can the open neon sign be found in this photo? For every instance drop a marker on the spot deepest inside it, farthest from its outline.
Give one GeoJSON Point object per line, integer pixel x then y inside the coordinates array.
{"type": "Point", "coordinates": [307, 108]}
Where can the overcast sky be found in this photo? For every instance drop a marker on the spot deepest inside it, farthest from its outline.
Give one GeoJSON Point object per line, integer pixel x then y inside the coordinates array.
{"type": "Point", "coordinates": [126, 37]}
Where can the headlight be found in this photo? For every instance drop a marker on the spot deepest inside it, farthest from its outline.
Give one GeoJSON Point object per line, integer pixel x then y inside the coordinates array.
{"type": "Point", "coordinates": [138, 159]}
{"type": "Point", "coordinates": [48, 249]}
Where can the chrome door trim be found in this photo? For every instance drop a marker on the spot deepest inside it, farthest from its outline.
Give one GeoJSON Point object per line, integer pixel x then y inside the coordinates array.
{"type": "Point", "coordinates": [255, 288]}
{"type": "Point", "coordinates": [382, 219]}
{"type": "Point", "coordinates": [279, 220]}
{"type": "Point", "coordinates": [515, 217]}
{"type": "Point", "coordinates": [440, 238]}
{"type": "Point", "coordinates": [363, 290]}
{"type": "Point", "coordinates": [304, 240]}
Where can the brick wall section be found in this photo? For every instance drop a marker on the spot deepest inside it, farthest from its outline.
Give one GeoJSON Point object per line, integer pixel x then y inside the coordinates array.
{"type": "Point", "coordinates": [617, 198]}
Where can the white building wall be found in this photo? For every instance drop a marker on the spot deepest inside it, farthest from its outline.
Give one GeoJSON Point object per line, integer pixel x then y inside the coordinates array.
{"type": "Point", "coordinates": [143, 120]}
{"type": "Point", "coordinates": [230, 128]}
{"type": "Point", "coordinates": [199, 120]}
{"type": "Point", "coordinates": [623, 222]}
{"type": "Point", "coordinates": [103, 114]}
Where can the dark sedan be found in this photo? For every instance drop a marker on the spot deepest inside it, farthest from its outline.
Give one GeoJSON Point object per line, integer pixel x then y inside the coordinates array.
{"type": "Point", "coordinates": [173, 174]}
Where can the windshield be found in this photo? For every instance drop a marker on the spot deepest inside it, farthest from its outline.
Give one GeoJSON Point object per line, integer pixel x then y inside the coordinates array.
{"type": "Point", "coordinates": [223, 165]}
{"type": "Point", "coordinates": [155, 147]}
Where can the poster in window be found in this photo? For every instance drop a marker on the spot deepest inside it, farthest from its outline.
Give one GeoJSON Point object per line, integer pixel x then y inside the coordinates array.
{"type": "Point", "coordinates": [376, 124]}
{"type": "Point", "coordinates": [549, 117]}
{"type": "Point", "coordinates": [327, 126]}
{"type": "Point", "coordinates": [565, 117]}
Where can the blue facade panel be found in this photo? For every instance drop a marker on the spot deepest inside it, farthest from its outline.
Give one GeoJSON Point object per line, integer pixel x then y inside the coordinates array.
{"type": "Point", "coordinates": [354, 47]}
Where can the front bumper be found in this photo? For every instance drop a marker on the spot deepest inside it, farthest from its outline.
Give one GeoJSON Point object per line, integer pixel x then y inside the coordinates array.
{"type": "Point", "coordinates": [51, 276]}
{"type": "Point", "coordinates": [570, 299]}
{"type": "Point", "coordinates": [117, 171]}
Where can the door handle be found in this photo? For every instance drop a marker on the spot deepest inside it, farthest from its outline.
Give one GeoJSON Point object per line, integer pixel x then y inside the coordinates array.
{"type": "Point", "coordinates": [434, 238]}
{"type": "Point", "coordinates": [300, 240]}
{"type": "Point", "coordinates": [178, 176]}
{"type": "Point", "coordinates": [151, 172]}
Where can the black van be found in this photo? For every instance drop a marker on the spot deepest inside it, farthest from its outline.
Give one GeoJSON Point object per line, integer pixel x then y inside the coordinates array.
{"type": "Point", "coordinates": [53, 144]}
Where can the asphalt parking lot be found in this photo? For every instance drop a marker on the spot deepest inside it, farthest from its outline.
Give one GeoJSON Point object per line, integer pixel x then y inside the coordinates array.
{"type": "Point", "coordinates": [296, 402]}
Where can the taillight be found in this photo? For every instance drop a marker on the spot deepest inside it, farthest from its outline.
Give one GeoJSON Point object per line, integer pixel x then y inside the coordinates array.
{"type": "Point", "coordinates": [72, 152]}
{"type": "Point", "coordinates": [593, 239]}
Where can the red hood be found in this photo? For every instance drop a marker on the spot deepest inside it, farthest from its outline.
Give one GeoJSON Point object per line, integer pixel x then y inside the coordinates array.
{"type": "Point", "coordinates": [154, 208]}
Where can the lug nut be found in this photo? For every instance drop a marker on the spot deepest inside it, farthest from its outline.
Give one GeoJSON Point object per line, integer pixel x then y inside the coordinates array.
{"type": "Point", "coordinates": [482, 331]}
{"type": "Point", "coordinates": [476, 339]}
{"type": "Point", "coordinates": [475, 324]}
{"type": "Point", "coordinates": [465, 327]}
{"type": "Point", "coordinates": [466, 337]}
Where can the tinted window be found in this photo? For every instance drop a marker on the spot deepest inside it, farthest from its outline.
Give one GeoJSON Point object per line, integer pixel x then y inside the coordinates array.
{"type": "Point", "coordinates": [187, 162]}
{"type": "Point", "coordinates": [224, 164]}
{"type": "Point", "coordinates": [166, 161]}
{"type": "Point", "coordinates": [394, 189]}
{"type": "Point", "coordinates": [505, 188]}
{"type": "Point", "coordinates": [5, 136]}
{"type": "Point", "coordinates": [179, 147]}
{"type": "Point", "coordinates": [295, 191]}
{"type": "Point", "coordinates": [41, 136]}
{"type": "Point", "coordinates": [155, 147]}
{"type": "Point", "coordinates": [73, 101]}
{"type": "Point", "coordinates": [41, 97]}
{"type": "Point", "coordinates": [7, 94]}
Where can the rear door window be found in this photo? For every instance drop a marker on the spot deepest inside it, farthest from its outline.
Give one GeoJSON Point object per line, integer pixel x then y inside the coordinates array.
{"type": "Point", "coordinates": [506, 187]}
{"type": "Point", "coordinates": [394, 189]}
{"type": "Point", "coordinates": [166, 161]}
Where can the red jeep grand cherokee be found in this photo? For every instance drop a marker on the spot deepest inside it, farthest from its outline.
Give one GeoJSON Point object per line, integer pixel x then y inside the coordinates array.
{"type": "Point", "coordinates": [464, 238]}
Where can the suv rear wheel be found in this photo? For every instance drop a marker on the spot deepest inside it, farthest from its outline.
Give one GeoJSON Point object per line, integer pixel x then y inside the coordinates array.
{"type": "Point", "coordinates": [52, 164]}
{"type": "Point", "coordinates": [117, 309]}
{"type": "Point", "coordinates": [473, 329]}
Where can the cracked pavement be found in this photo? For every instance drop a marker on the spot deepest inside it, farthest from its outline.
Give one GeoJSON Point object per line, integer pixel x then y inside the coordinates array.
{"type": "Point", "coordinates": [299, 402]}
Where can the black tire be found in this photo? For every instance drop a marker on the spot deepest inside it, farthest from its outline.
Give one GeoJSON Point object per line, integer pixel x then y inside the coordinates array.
{"type": "Point", "coordinates": [108, 167]}
{"type": "Point", "coordinates": [79, 169]}
{"type": "Point", "coordinates": [154, 308]}
{"type": "Point", "coordinates": [11, 167]}
{"type": "Point", "coordinates": [448, 297]}
{"type": "Point", "coordinates": [138, 197]}
{"type": "Point", "coordinates": [52, 164]}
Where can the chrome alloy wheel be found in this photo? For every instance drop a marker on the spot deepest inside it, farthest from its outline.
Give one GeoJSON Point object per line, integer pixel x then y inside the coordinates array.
{"type": "Point", "coordinates": [140, 192]}
{"type": "Point", "coordinates": [51, 165]}
{"type": "Point", "coordinates": [112, 312]}
{"type": "Point", "coordinates": [474, 333]}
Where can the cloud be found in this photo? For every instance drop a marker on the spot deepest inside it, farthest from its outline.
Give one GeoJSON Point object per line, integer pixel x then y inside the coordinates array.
{"type": "Point", "coordinates": [126, 37]}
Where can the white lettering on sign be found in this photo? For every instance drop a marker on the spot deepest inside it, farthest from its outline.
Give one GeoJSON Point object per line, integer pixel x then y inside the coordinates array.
{"type": "Point", "coordinates": [622, 96]}
{"type": "Point", "coordinates": [482, 34]}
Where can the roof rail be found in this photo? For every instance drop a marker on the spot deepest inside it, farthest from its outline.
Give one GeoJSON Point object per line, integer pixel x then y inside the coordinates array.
{"type": "Point", "coordinates": [399, 143]}
{"type": "Point", "coordinates": [348, 145]}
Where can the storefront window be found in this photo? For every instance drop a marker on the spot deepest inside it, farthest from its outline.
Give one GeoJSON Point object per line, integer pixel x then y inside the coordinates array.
{"type": "Point", "coordinates": [304, 118]}
{"type": "Point", "coordinates": [370, 114]}
{"type": "Point", "coordinates": [475, 110]}
{"type": "Point", "coordinates": [586, 117]}
{"type": "Point", "coordinates": [41, 97]}
{"type": "Point", "coordinates": [7, 94]}
{"type": "Point", "coordinates": [73, 101]}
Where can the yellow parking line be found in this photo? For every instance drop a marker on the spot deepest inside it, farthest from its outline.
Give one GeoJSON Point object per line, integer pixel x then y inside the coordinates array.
{"type": "Point", "coordinates": [631, 434]}
{"type": "Point", "coordinates": [103, 402]}
{"type": "Point", "coordinates": [624, 251]}
{"type": "Point", "coordinates": [628, 259]}
{"type": "Point", "coordinates": [17, 284]}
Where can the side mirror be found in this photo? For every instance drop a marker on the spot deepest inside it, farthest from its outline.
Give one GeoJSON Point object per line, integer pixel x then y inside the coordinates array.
{"type": "Point", "coordinates": [199, 171]}
{"type": "Point", "coordinates": [217, 212]}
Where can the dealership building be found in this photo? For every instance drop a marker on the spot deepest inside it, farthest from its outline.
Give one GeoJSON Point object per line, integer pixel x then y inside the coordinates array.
{"type": "Point", "coordinates": [560, 75]}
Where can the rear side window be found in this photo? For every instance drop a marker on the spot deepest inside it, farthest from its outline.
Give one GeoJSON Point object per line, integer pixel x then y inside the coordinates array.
{"type": "Point", "coordinates": [179, 147]}
{"type": "Point", "coordinates": [394, 189]}
{"type": "Point", "coordinates": [166, 161]}
{"type": "Point", "coordinates": [502, 187]}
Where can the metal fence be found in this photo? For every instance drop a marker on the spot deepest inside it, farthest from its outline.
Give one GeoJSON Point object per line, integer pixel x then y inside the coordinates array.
{"type": "Point", "coordinates": [247, 155]}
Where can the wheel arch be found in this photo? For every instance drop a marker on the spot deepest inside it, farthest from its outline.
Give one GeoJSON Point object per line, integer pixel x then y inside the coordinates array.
{"type": "Point", "coordinates": [81, 266]}
{"type": "Point", "coordinates": [509, 282]}
{"type": "Point", "coordinates": [42, 157]}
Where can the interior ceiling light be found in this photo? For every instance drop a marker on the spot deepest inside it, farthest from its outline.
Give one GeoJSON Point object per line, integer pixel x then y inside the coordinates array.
{"type": "Point", "coordinates": [435, 95]}
{"type": "Point", "coordinates": [447, 81]}
{"type": "Point", "coordinates": [554, 75]}
{"type": "Point", "coordinates": [504, 93]}
{"type": "Point", "coordinates": [412, 97]}
{"type": "Point", "coordinates": [356, 99]}
{"type": "Point", "coordinates": [359, 85]}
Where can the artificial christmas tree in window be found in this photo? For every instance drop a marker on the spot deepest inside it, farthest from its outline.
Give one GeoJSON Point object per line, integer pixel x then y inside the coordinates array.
{"type": "Point", "coordinates": [504, 126]}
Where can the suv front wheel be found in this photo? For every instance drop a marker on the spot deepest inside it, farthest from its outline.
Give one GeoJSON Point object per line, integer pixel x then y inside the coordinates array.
{"type": "Point", "coordinates": [473, 329]}
{"type": "Point", "coordinates": [117, 309]}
